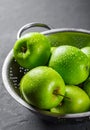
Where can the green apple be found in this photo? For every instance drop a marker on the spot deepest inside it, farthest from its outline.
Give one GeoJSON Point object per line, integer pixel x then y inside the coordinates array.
{"type": "Point", "coordinates": [42, 87]}
{"type": "Point", "coordinates": [71, 63]}
{"type": "Point", "coordinates": [86, 50]}
{"type": "Point", "coordinates": [78, 101]}
{"type": "Point", "coordinates": [32, 50]}
{"type": "Point", "coordinates": [86, 86]}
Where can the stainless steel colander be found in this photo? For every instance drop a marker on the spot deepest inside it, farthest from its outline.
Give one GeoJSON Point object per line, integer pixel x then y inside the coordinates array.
{"type": "Point", "coordinates": [12, 73]}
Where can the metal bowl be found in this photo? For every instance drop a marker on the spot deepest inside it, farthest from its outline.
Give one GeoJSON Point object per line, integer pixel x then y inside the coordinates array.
{"type": "Point", "coordinates": [12, 72]}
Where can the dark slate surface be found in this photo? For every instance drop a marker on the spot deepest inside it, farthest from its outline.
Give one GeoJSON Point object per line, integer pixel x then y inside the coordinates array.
{"type": "Point", "coordinates": [13, 15]}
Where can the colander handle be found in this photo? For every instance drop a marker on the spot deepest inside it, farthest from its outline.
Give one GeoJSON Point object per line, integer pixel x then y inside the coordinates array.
{"type": "Point", "coordinates": [29, 25]}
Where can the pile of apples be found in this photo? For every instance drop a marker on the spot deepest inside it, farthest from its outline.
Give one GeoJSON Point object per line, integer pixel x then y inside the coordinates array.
{"type": "Point", "coordinates": [58, 78]}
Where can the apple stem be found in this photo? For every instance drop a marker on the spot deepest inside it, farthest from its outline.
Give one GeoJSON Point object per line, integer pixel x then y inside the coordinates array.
{"type": "Point", "coordinates": [24, 49]}
{"type": "Point", "coordinates": [63, 96]}
{"type": "Point", "coordinates": [56, 92]}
